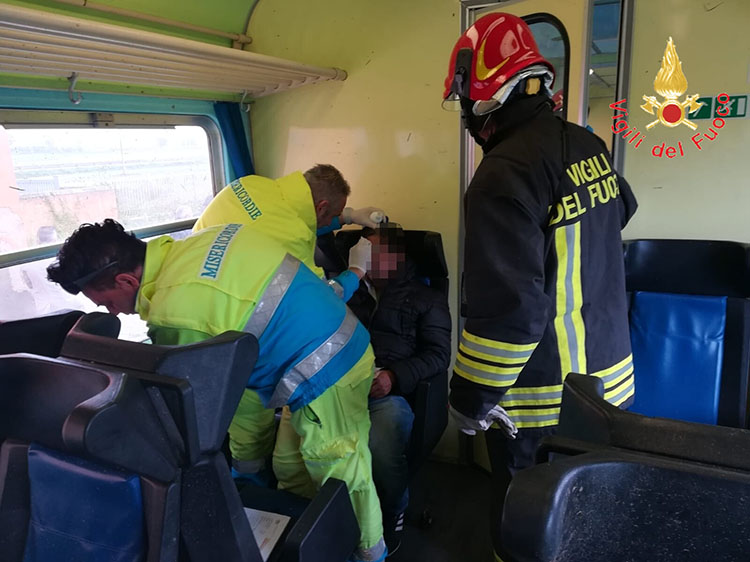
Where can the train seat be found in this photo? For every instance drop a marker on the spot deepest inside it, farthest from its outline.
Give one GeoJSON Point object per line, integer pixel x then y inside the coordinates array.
{"type": "Point", "coordinates": [42, 335]}
{"type": "Point", "coordinates": [617, 505]}
{"type": "Point", "coordinates": [132, 415]}
{"type": "Point", "coordinates": [614, 485]}
{"type": "Point", "coordinates": [430, 401]}
{"type": "Point", "coordinates": [690, 329]}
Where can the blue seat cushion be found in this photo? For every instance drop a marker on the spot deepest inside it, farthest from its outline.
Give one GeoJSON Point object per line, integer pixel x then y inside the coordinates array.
{"type": "Point", "coordinates": [678, 347]}
{"type": "Point", "coordinates": [82, 511]}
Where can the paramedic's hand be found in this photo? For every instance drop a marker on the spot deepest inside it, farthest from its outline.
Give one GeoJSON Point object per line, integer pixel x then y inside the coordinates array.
{"type": "Point", "coordinates": [470, 426]}
{"type": "Point", "coordinates": [366, 216]}
{"type": "Point", "coordinates": [360, 255]}
{"type": "Point", "coordinates": [382, 384]}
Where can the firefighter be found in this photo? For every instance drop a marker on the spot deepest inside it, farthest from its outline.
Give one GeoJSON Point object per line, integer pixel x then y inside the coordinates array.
{"type": "Point", "coordinates": [314, 356]}
{"type": "Point", "coordinates": [544, 280]}
{"type": "Point", "coordinates": [291, 210]}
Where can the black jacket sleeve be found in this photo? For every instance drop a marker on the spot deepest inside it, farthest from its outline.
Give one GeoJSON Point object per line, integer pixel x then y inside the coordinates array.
{"type": "Point", "coordinates": [506, 307]}
{"type": "Point", "coordinates": [433, 351]}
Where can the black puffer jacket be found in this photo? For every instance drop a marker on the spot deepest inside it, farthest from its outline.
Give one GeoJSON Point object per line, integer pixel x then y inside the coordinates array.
{"type": "Point", "coordinates": [410, 329]}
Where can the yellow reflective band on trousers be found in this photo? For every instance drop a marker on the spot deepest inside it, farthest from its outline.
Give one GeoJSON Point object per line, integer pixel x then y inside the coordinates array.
{"type": "Point", "coordinates": [569, 328]}
{"type": "Point", "coordinates": [328, 438]}
{"type": "Point", "coordinates": [539, 406]}
{"type": "Point", "coordinates": [491, 362]}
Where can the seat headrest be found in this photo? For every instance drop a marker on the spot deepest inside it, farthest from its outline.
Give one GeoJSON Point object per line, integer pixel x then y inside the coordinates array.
{"type": "Point", "coordinates": [216, 369]}
{"type": "Point", "coordinates": [694, 267]}
{"type": "Point", "coordinates": [42, 335]}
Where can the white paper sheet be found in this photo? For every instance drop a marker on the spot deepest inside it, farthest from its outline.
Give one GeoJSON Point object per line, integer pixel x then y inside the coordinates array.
{"type": "Point", "coordinates": [267, 528]}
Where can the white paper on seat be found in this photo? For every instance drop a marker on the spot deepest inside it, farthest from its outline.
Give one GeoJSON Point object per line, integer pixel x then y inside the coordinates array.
{"type": "Point", "coordinates": [267, 528]}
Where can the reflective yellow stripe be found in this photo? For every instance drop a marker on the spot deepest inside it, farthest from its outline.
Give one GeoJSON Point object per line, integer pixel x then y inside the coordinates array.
{"type": "Point", "coordinates": [628, 373]}
{"type": "Point", "coordinates": [621, 400]}
{"type": "Point", "coordinates": [534, 412]}
{"type": "Point", "coordinates": [578, 301]}
{"type": "Point", "coordinates": [532, 423]}
{"type": "Point", "coordinates": [534, 396]}
{"type": "Point", "coordinates": [613, 368]}
{"type": "Point", "coordinates": [499, 344]}
{"type": "Point", "coordinates": [489, 368]}
{"type": "Point", "coordinates": [480, 380]}
{"type": "Point", "coordinates": [568, 323]}
{"type": "Point", "coordinates": [527, 425]}
{"type": "Point", "coordinates": [487, 356]}
{"type": "Point", "coordinates": [561, 248]}
{"type": "Point", "coordinates": [535, 389]}
{"type": "Point", "coordinates": [530, 402]}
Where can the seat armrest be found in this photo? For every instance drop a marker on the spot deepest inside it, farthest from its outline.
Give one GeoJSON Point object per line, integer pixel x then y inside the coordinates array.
{"type": "Point", "coordinates": [327, 531]}
{"type": "Point", "coordinates": [556, 444]}
{"type": "Point", "coordinates": [430, 419]}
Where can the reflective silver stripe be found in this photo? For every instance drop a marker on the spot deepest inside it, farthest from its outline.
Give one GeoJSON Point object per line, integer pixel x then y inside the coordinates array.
{"type": "Point", "coordinates": [498, 377]}
{"type": "Point", "coordinates": [337, 288]}
{"type": "Point", "coordinates": [519, 394]}
{"type": "Point", "coordinates": [517, 418]}
{"type": "Point", "coordinates": [271, 297]}
{"type": "Point", "coordinates": [310, 365]}
{"type": "Point", "coordinates": [629, 386]}
{"type": "Point", "coordinates": [249, 467]}
{"type": "Point", "coordinates": [494, 352]}
{"type": "Point", "coordinates": [621, 371]}
{"type": "Point", "coordinates": [372, 553]}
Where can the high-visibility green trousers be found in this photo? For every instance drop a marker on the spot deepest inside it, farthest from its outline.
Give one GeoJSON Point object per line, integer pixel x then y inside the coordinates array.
{"type": "Point", "coordinates": [328, 438]}
{"type": "Point", "coordinates": [251, 434]}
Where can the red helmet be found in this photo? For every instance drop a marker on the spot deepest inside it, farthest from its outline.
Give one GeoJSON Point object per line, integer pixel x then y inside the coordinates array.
{"type": "Point", "coordinates": [488, 54]}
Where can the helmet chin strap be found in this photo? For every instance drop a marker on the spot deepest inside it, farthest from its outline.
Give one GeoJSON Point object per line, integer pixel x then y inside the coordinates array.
{"type": "Point", "coordinates": [474, 124]}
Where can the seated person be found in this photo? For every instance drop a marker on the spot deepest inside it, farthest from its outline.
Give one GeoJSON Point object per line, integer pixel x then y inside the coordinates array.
{"type": "Point", "coordinates": [410, 331]}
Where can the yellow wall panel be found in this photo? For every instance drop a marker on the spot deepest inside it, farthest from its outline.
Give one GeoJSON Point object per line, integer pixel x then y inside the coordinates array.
{"type": "Point", "coordinates": [703, 194]}
{"type": "Point", "coordinates": [383, 127]}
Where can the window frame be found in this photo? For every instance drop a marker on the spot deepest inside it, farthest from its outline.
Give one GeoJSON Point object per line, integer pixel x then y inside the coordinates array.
{"type": "Point", "coordinates": [52, 119]}
{"type": "Point", "coordinates": [546, 17]}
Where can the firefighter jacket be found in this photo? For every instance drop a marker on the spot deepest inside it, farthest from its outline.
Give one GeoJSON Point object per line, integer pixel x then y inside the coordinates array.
{"type": "Point", "coordinates": [232, 277]}
{"type": "Point", "coordinates": [544, 282]}
{"type": "Point", "coordinates": [283, 210]}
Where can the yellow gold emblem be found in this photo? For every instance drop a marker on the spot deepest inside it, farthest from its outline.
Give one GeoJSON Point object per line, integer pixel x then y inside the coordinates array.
{"type": "Point", "coordinates": [670, 83]}
{"type": "Point", "coordinates": [482, 71]}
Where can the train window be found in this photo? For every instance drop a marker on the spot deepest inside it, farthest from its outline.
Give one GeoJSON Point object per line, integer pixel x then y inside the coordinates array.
{"type": "Point", "coordinates": [554, 46]}
{"type": "Point", "coordinates": [154, 174]}
{"type": "Point", "coordinates": [603, 67]}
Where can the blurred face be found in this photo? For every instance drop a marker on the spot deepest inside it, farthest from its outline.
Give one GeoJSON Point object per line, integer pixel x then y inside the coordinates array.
{"type": "Point", "coordinates": [118, 299]}
{"type": "Point", "coordinates": [388, 258]}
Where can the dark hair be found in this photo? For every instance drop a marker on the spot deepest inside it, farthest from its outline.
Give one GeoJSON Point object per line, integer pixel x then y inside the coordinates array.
{"type": "Point", "coordinates": [327, 183]}
{"type": "Point", "coordinates": [389, 233]}
{"type": "Point", "coordinates": [94, 254]}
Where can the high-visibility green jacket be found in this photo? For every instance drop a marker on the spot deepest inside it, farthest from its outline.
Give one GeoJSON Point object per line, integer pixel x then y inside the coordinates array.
{"type": "Point", "coordinates": [283, 210]}
{"type": "Point", "coordinates": [232, 277]}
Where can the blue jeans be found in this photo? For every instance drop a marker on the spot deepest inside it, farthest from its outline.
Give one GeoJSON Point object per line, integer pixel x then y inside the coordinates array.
{"type": "Point", "coordinates": [392, 419]}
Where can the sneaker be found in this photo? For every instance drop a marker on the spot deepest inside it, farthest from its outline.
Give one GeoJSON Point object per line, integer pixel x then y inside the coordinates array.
{"type": "Point", "coordinates": [393, 529]}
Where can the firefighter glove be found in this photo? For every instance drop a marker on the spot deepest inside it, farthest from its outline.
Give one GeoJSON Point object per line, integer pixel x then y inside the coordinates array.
{"type": "Point", "coordinates": [497, 415]}
{"type": "Point", "coordinates": [366, 216]}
